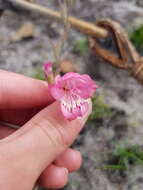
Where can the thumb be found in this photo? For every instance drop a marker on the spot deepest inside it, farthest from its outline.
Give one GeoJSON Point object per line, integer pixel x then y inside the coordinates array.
{"type": "Point", "coordinates": [41, 140]}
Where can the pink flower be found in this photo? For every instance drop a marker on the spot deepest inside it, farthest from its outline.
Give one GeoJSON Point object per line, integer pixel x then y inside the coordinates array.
{"type": "Point", "coordinates": [47, 68]}
{"type": "Point", "coordinates": [73, 91]}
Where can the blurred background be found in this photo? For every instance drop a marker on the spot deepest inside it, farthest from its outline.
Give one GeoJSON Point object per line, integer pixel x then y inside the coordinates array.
{"type": "Point", "coordinates": [112, 141]}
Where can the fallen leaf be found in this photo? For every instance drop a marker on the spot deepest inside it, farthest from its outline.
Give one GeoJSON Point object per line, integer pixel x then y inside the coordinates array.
{"type": "Point", "coordinates": [25, 31]}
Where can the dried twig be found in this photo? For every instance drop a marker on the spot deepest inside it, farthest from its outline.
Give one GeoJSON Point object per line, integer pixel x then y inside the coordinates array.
{"type": "Point", "coordinates": [127, 58]}
{"type": "Point", "coordinates": [83, 26]}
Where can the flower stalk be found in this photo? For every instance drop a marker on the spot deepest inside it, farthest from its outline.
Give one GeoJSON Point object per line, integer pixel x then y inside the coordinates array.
{"type": "Point", "coordinates": [72, 90]}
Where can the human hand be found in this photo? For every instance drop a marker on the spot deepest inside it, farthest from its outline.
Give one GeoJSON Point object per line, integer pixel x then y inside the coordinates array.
{"type": "Point", "coordinates": [38, 151]}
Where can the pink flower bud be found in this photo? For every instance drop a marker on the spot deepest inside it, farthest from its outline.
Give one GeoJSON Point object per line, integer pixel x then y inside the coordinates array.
{"type": "Point", "coordinates": [47, 68]}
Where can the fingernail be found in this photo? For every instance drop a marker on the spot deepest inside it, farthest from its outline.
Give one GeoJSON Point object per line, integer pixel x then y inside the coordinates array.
{"type": "Point", "coordinates": [85, 117]}
{"type": "Point", "coordinates": [66, 170]}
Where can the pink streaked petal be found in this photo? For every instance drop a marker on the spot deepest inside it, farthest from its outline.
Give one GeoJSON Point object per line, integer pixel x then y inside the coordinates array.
{"type": "Point", "coordinates": [68, 114]}
{"type": "Point", "coordinates": [61, 82]}
{"type": "Point", "coordinates": [58, 78]}
{"type": "Point", "coordinates": [81, 110]}
{"type": "Point", "coordinates": [70, 75]}
{"type": "Point", "coordinates": [86, 80]}
{"type": "Point", "coordinates": [85, 90]}
{"type": "Point", "coordinates": [57, 93]}
{"type": "Point", "coordinates": [82, 93]}
{"type": "Point", "coordinates": [86, 77]}
{"type": "Point", "coordinates": [73, 107]}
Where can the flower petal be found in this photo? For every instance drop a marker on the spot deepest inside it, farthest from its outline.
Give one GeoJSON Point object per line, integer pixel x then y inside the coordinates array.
{"type": "Point", "coordinates": [73, 107]}
{"type": "Point", "coordinates": [85, 88]}
{"type": "Point", "coordinates": [57, 93]}
{"type": "Point", "coordinates": [58, 78]}
{"type": "Point", "coordinates": [71, 75]}
{"type": "Point", "coordinates": [73, 90]}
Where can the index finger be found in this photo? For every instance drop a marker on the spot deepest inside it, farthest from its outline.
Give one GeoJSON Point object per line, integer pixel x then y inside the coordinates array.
{"type": "Point", "coordinates": [18, 91]}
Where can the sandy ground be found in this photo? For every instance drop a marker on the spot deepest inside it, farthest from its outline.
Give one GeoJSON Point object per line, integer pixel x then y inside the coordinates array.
{"type": "Point", "coordinates": [121, 92]}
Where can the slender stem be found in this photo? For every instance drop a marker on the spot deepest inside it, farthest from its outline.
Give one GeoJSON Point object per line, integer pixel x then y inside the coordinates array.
{"type": "Point", "coordinates": [81, 25]}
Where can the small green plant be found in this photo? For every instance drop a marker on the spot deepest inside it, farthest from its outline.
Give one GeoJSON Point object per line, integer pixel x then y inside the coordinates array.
{"type": "Point", "coordinates": [81, 46]}
{"type": "Point", "coordinates": [38, 73]}
{"type": "Point", "coordinates": [100, 109]}
{"type": "Point", "coordinates": [137, 37]}
{"type": "Point", "coordinates": [125, 157]}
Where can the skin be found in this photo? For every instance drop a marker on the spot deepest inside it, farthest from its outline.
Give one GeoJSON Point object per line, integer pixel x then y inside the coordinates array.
{"type": "Point", "coordinates": [38, 152]}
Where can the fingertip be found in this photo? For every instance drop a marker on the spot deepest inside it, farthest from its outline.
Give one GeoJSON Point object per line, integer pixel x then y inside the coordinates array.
{"type": "Point", "coordinates": [54, 177]}
{"type": "Point", "coordinates": [71, 159]}
{"type": "Point", "coordinates": [83, 119]}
